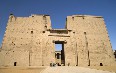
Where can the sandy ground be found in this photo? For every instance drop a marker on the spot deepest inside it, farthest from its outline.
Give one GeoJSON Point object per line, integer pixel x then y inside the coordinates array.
{"type": "Point", "coordinates": [21, 69]}
{"type": "Point", "coordinates": [58, 69]}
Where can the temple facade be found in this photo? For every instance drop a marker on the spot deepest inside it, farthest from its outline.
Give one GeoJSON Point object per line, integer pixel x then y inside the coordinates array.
{"type": "Point", "coordinates": [30, 41]}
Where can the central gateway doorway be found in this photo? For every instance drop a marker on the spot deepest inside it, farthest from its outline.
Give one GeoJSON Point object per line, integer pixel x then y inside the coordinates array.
{"type": "Point", "coordinates": [59, 53]}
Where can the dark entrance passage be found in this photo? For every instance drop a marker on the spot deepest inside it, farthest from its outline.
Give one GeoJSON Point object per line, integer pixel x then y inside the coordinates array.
{"type": "Point", "coordinates": [101, 64]}
{"type": "Point", "coordinates": [15, 63]}
{"type": "Point", "coordinates": [59, 53]}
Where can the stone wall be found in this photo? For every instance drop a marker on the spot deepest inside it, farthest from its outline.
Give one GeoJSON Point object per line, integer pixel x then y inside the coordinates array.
{"type": "Point", "coordinates": [92, 39]}
{"type": "Point", "coordinates": [8, 58]}
{"type": "Point", "coordinates": [30, 41]}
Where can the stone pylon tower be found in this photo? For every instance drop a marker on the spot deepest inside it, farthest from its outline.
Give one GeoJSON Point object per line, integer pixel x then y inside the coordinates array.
{"type": "Point", "coordinates": [30, 41]}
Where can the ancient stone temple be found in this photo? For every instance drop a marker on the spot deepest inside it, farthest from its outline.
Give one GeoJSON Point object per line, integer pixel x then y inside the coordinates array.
{"type": "Point", "coordinates": [30, 41]}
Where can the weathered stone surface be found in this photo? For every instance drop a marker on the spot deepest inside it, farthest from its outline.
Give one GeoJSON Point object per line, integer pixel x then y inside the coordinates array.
{"type": "Point", "coordinates": [30, 41]}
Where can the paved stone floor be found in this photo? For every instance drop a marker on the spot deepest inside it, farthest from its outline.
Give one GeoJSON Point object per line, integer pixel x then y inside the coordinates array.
{"type": "Point", "coordinates": [67, 69]}
{"type": "Point", "coordinates": [57, 69]}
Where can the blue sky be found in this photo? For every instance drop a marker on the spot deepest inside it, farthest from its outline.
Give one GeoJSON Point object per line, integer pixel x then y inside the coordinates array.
{"type": "Point", "coordinates": [58, 10]}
